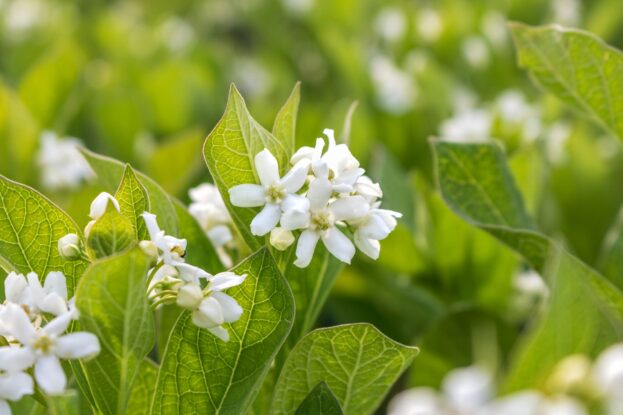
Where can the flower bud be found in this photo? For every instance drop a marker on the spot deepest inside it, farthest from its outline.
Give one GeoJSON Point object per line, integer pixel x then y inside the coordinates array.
{"type": "Point", "coordinates": [100, 203]}
{"type": "Point", "coordinates": [189, 296]}
{"type": "Point", "coordinates": [69, 246]}
{"type": "Point", "coordinates": [150, 249]}
{"type": "Point", "coordinates": [281, 238]}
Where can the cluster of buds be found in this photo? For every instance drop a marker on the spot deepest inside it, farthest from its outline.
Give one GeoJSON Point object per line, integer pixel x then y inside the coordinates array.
{"type": "Point", "coordinates": [321, 195]}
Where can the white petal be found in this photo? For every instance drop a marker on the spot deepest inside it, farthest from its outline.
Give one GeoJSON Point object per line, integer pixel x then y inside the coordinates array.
{"type": "Point", "coordinates": [55, 282]}
{"type": "Point", "coordinates": [15, 359]}
{"type": "Point", "coordinates": [78, 345]}
{"type": "Point", "coordinates": [305, 248]}
{"type": "Point", "coordinates": [375, 228]}
{"type": "Point", "coordinates": [19, 324]}
{"type": "Point", "coordinates": [5, 409]}
{"type": "Point", "coordinates": [370, 247]}
{"type": "Point", "coordinates": [295, 212]}
{"type": "Point", "coordinates": [100, 203]}
{"type": "Point", "coordinates": [295, 178]}
{"type": "Point", "coordinates": [225, 280]}
{"type": "Point", "coordinates": [348, 177]}
{"type": "Point", "coordinates": [190, 273]}
{"type": "Point", "coordinates": [319, 193]}
{"type": "Point", "coordinates": [247, 195]}
{"type": "Point", "coordinates": [211, 312]}
{"type": "Point", "coordinates": [267, 167]}
{"type": "Point", "coordinates": [303, 153]}
{"type": "Point", "coordinates": [220, 235]}
{"type": "Point", "coordinates": [189, 296]}
{"type": "Point", "coordinates": [50, 375]}
{"type": "Point", "coordinates": [152, 226]}
{"type": "Point", "coordinates": [320, 169]}
{"type": "Point", "coordinates": [339, 245]}
{"type": "Point", "coordinates": [14, 287]}
{"type": "Point", "coordinates": [266, 220]}
{"type": "Point", "coordinates": [58, 325]}
{"type": "Point", "coordinates": [231, 309]}
{"type": "Point", "coordinates": [219, 332]}
{"type": "Point", "coordinates": [13, 386]}
{"type": "Point", "coordinates": [350, 207]}
{"type": "Point", "coordinates": [53, 304]}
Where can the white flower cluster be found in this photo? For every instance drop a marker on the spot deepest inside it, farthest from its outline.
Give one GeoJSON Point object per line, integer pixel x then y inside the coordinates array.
{"type": "Point", "coordinates": [62, 165]}
{"type": "Point", "coordinates": [173, 281]}
{"type": "Point", "coordinates": [35, 344]}
{"type": "Point", "coordinates": [322, 193]}
{"type": "Point", "coordinates": [468, 391]}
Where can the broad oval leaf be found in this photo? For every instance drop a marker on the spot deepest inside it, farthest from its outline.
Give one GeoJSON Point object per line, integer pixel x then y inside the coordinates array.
{"type": "Point", "coordinates": [229, 152]}
{"type": "Point", "coordinates": [576, 66]}
{"type": "Point", "coordinates": [30, 227]}
{"type": "Point", "coordinates": [112, 233]}
{"type": "Point", "coordinates": [202, 374]}
{"type": "Point", "coordinates": [358, 363]}
{"type": "Point", "coordinates": [133, 201]}
{"type": "Point", "coordinates": [113, 304]}
{"type": "Point", "coordinates": [320, 400]}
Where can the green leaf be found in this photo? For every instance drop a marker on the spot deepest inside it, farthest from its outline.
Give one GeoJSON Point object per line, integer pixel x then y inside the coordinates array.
{"type": "Point", "coordinates": [133, 201]}
{"type": "Point", "coordinates": [113, 304]}
{"type": "Point", "coordinates": [66, 404]}
{"type": "Point", "coordinates": [143, 390]}
{"type": "Point", "coordinates": [358, 363]}
{"type": "Point", "coordinates": [611, 260]}
{"type": "Point", "coordinates": [30, 227]}
{"type": "Point", "coordinates": [110, 172]}
{"type": "Point", "coordinates": [320, 401]}
{"type": "Point", "coordinates": [112, 233]}
{"type": "Point", "coordinates": [576, 66]}
{"type": "Point", "coordinates": [202, 374]}
{"type": "Point", "coordinates": [229, 152]}
{"type": "Point", "coordinates": [285, 122]}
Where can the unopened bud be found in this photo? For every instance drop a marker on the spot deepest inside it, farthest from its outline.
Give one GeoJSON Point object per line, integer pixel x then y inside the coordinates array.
{"type": "Point", "coordinates": [150, 249]}
{"type": "Point", "coordinates": [190, 297]}
{"type": "Point", "coordinates": [69, 246]}
{"type": "Point", "coordinates": [281, 238]}
{"type": "Point", "coordinates": [570, 375]}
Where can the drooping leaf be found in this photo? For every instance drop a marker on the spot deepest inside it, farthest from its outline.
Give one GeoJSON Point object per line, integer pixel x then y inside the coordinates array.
{"type": "Point", "coordinates": [320, 400]}
{"type": "Point", "coordinates": [229, 152]}
{"type": "Point", "coordinates": [202, 374]}
{"type": "Point", "coordinates": [112, 233]}
{"type": "Point", "coordinates": [356, 361]}
{"type": "Point", "coordinates": [113, 304]}
{"type": "Point", "coordinates": [110, 171]}
{"type": "Point", "coordinates": [30, 227]}
{"type": "Point", "coordinates": [143, 389]}
{"type": "Point", "coordinates": [576, 66]}
{"type": "Point", "coordinates": [285, 122]}
{"type": "Point", "coordinates": [133, 201]}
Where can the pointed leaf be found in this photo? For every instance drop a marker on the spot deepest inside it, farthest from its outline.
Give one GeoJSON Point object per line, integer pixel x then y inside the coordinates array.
{"type": "Point", "coordinates": [113, 304]}
{"type": "Point", "coordinates": [320, 401]}
{"type": "Point", "coordinates": [202, 374]}
{"type": "Point", "coordinates": [111, 234]}
{"type": "Point", "coordinates": [358, 363]}
{"type": "Point", "coordinates": [285, 122]}
{"type": "Point", "coordinates": [30, 227]}
{"type": "Point", "coordinates": [133, 201]}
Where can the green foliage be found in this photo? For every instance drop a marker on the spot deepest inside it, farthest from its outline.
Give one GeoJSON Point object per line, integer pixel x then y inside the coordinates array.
{"type": "Point", "coordinates": [284, 128]}
{"type": "Point", "coordinates": [578, 67]}
{"type": "Point", "coordinates": [110, 234]}
{"type": "Point", "coordinates": [66, 404]}
{"type": "Point", "coordinates": [320, 401]}
{"type": "Point", "coordinates": [200, 373]}
{"type": "Point", "coordinates": [113, 305]}
{"type": "Point", "coordinates": [143, 389]}
{"type": "Point", "coordinates": [30, 227]}
{"type": "Point", "coordinates": [133, 201]}
{"type": "Point", "coordinates": [356, 361]}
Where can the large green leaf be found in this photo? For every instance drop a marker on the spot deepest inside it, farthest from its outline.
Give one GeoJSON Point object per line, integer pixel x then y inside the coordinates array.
{"type": "Point", "coordinates": [477, 185]}
{"type": "Point", "coordinates": [229, 152]}
{"type": "Point", "coordinates": [202, 374]}
{"type": "Point", "coordinates": [133, 201]}
{"type": "Point", "coordinates": [143, 389]}
{"type": "Point", "coordinates": [112, 233]}
{"type": "Point", "coordinates": [576, 66]}
{"type": "Point", "coordinates": [66, 404]}
{"type": "Point", "coordinates": [285, 122]}
{"type": "Point", "coordinates": [358, 363]}
{"type": "Point", "coordinates": [110, 172]}
{"type": "Point", "coordinates": [30, 227]}
{"type": "Point", "coordinates": [320, 400]}
{"type": "Point", "coordinates": [113, 304]}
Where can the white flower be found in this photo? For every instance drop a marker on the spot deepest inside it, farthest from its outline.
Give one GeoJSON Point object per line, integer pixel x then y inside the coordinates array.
{"type": "Point", "coordinates": [533, 403]}
{"type": "Point", "coordinates": [13, 387]}
{"type": "Point", "coordinates": [323, 217]}
{"type": "Point", "coordinates": [274, 193]}
{"type": "Point", "coordinates": [376, 225]}
{"type": "Point", "coordinates": [69, 246]}
{"type": "Point", "coordinates": [515, 111]}
{"type": "Point", "coordinates": [390, 24]}
{"type": "Point", "coordinates": [172, 249]}
{"type": "Point", "coordinates": [429, 24]}
{"type": "Point", "coordinates": [45, 347]}
{"type": "Point", "coordinates": [476, 51]}
{"type": "Point", "coordinates": [395, 89]}
{"type": "Point", "coordinates": [210, 211]}
{"type": "Point", "coordinates": [216, 308]}
{"type": "Point", "coordinates": [49, 298]}
{"type": "Point", "coordinates": [608, 371]}
{"type": "Point", "coordinates": [62, 165]}
{"type": "Point", "coordinates": [418, 401]}
{"type": "Point", "coordinates": [469, 125]}
{"type": "Point", "coordinates": [467, 389]}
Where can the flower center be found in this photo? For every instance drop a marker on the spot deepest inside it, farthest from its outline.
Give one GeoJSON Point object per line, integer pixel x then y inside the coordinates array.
{"type": "Point", "coordinates": [275, 193]}
{"type": "Point", "coordinates": [43, 344]}
{"type": "Point", "coordinates": [322, 220]}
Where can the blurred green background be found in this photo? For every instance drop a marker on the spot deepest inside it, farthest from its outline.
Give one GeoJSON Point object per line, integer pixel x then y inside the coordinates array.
{"type": "Point", "coordinates": [145, 81]}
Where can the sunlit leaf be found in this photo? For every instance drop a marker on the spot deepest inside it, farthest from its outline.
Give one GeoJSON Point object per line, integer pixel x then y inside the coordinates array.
{"type": "Point", "coordinates": [143, 389]}
{"type": "Point", "coordinates": [133, 201]}
{"type": "Point", "coordinates": [112, 233]}
{"type": "Point", "coordinates": [285, 122]}
{"type": "Point", "coordinates": [320, 401]}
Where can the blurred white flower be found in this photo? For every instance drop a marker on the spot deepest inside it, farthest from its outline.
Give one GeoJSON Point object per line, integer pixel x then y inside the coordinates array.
{"type": "Point", "coordinates": [252, 79]}
{"type": "Point", "coordinates": [566, 12]}
{"type": "Point", "coordinates": [556, 139]}
{"type": "Point", "coordinates": [395, 89]}
{"type": "Point", "coordinates": [467, 126]}
{"type": "Point", "coordinates": [62, 165]}
{"type": "Point", "coordinates": [494, 28]}
{"type": "Point", "coordinates": [390, 24]}
{"type": "Point", "coordinates": [515, 111]}
{"type": "Point", "coordinates": [418, 401]}
{"type": "Point", "coordinates": [467, 389]}
{"type": "Point", "coordinates": [298, 7]}
{"type": "Point", "coordinates": [429, 24]}
{"type": "Point", "coordinates": [210, 211]}
{"type": "Point", "coordinates": [608, 372]}
{"type": "Point", "coordinates": [176, 34]}
{"type": "Point", "coordinates": [13, 387]}
{"type": "Point", "coordinates": [476, 52]}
